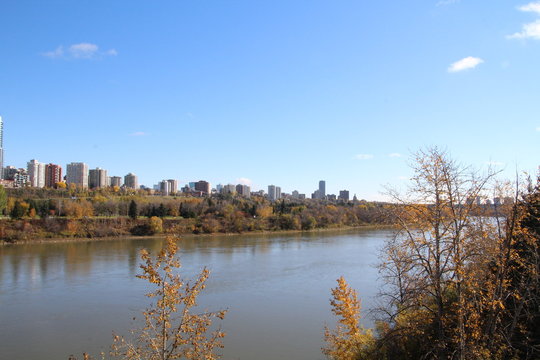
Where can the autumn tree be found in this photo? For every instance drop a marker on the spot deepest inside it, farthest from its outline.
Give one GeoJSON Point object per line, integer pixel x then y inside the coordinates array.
{"type": "Point", "coordinates": [435, 264]}
{"type": "Point", "coordinates": [350, 341]}
{"type": "Point", "coordinates": [173, 328]}
{"type": "Point", "coordinates": [3, 199]}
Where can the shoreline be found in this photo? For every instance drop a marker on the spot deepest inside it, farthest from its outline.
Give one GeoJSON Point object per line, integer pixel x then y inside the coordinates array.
{"type": "Point", "coordinates": [53, 240]}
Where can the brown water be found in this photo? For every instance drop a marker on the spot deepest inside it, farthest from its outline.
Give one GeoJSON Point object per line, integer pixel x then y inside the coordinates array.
{"type": "Point", "coordinates": [67, 298]}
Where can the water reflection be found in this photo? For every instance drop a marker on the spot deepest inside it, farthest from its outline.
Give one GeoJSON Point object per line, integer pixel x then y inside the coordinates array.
{"type": "Point", "coordinates": [68, 297]}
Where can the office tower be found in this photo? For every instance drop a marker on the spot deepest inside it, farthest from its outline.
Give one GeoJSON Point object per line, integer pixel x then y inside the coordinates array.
{"type": "Point", "coordinates": [164, 187]}
{"type": "Point", "coordinates": [173, 186]}
{"type": "Point", "coordinates": [322, 189]}
{"type": "Point", "coordinates": [11, 171]}
{"type": "Point", "coordinates": [1, 148]}
{"type": "Point", "coordinates": [274, 192]}
{"type": "Point", "coordinates": [115, 181]}
{"type": "Point", "coordinates": [131, 181]}
{"type": "Point", "coordinates": [36, 171]}
{"type": "Point", "coordinates": [202, 186]}
{"type": "Point", "coordinates": [228, 189]}
{"type": "Point", "coordinates": [77, 173]}
{"type": "Point", "coordinates": [243, 190]}
{"type": "Point", "coordinates": [97, 178]}
{"type": "Point", "coordinates": [344, 195]}
{"type": "Point", "coordinates": [53, 175]}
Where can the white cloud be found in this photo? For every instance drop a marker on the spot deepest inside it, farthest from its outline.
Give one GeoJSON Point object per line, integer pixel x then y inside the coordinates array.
{"type": "Point", "coordinates": [464, 64]}
{"type": "Point", "coordinates": [531, 7]}
{"type": "Point", "coordinates": [363, 156]}
{"type": "Point", "coordinates": [56, 53]}
{"type": "Point", "coordinates": [79, 51]}
{"type": "Point", "coordinates": [403, 178]}
{"type": "Point", "coordinates": [138, 133]}
{"type": "Point", "coordinates": [83, 50]}
{"type": "Point", "coordinates": [529, 30]}
{"type": "Point", "coordinates": [395, 155]}
{"type": "Point", "coordinates": [538, 128]}
{"type": "Point", "coordinates": [244, 181]}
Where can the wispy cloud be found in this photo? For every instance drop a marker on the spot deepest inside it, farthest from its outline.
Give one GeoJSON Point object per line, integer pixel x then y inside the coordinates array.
{"type": "Point", "coordinates": [79, 51]}
{"type": "Point", "coordinates": [363, 156]}
{"type": "Point", "coordinates": [395, 155]}
{"type": "Point", "coordinates": [469, 62]}
{"type": "Point", "coordinates": [403, 178]}
{"type": "Point", "coordinates": [538, 128]}
{"type": "Point", "coordinates": [447, 2]}
{"type": "Point", "coordinates": [244, 181]}
{"type": "Point", "coordinates": [138, 133]}
{"type": "Point", "coordinates": [531, 7]}
{"type": "Point", "coordinates": [529, 30]}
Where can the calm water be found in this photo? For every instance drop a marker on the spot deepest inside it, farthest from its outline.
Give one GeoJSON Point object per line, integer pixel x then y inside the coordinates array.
{"type": "Point", "coordinates": [66, 298]}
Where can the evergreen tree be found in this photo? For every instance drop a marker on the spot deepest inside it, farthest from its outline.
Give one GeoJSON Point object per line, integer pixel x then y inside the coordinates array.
{"type": "Point", "coordinates": [133, 211]}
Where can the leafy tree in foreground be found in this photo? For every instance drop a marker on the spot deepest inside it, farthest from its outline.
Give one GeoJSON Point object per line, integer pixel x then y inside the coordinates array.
{"type": "Point", "coordinates": [173, 327]}
{"type": "Point", "coordinates": [350, 341]}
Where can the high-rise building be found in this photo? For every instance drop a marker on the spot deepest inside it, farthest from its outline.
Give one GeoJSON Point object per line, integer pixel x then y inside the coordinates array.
{"type": "Point", "coordinates": [11, 171]}
{"type": "Point", "coordinates": [115, 181]}
{"type": "Point", "coordinates": [322, 189]}
{"type": "Point", "coordinates": [344, 195]}
{"type": "Point", "coordinates": [228, 189]}
{"type": "Point", "coordinates": [203, 186]}
{"type": "Point", "coordinates": [131, 181]}
{"type": "Point", "coordinates": [173, 186]}
{"type": "Point", "coordinates": [274, 192]}
{"type": "Point", "coordinates": [243, 190]}
{"type": "Point", "coordinates": [53, 175]}
{"type": "Point", "coordinates": [1, 148]}
{"type": "Point", "coordinates": [97, 178]}
{"type": "Point", "coordinates": [77, 173]}
{"type": "Point", "coordinates": [164, 187]}
{"type": "Point", "coordinates": [36, 171]}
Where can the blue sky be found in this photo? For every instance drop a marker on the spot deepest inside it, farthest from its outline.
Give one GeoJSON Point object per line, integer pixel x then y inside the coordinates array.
{"type": "Point", "coordinates": [281, 92]}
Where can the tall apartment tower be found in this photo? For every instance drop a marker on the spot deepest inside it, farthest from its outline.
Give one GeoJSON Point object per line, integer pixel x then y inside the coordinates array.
{"type": "Point", "coordinates": [1, 148]}
{"type": "Point", "coordinates": [274, 192]}
{"type": "Point", "coordinates": [203, 186]}
{"type": "Point", "coordinates": [115, 181]}
{"type": "Point", "coordinates": [322, 189]}
{"type": "Point", "coordinates": [36, 171]}
{"type": "Point", "coordinates": [97, 178]}
{"type": "Point", "coordinates": [77, 173]}
{"type": "Point", "coordinates": [131, 181]}
{"type": "Point", "coordinates": [53, 175]}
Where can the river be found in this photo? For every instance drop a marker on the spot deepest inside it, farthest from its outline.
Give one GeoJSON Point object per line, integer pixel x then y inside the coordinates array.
{"type": "Point", "coordinates": [59, 299]}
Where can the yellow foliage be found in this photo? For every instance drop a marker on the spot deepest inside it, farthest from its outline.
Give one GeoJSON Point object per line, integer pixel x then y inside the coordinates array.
{"type": "Point", "coordinates": [350, 341]}
{"type": "Point", "coordinates": [172, 329]}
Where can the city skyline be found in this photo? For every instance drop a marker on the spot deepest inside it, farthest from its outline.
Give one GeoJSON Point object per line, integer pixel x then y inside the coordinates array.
{"type": "Point", "coordinates": [281, 93]}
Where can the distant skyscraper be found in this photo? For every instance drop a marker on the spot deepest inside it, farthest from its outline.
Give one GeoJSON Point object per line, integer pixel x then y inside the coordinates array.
{"type": "Point", "coordinates": [322, 189]}
{"type": "Point", "coordinates": [344, 195]}
{"type": "Point", "coordinates": [131, 181]}
{"type": "Point", "coordinates": [1, 148]}
{"type": "Point", "coordinates": [53, 175]}
{"type": "Point", "coordinates": [173, 186]}
{"type": "Point", "coordinates": [243, 190]}
{"type": "Point", "coordinates": [77, 173]}
{"type": "Point", "coordinates": [203, 186]}
{"type": "Point", "coordinates": [36, 171]}
{"type": "Point", "coordinates": [97, 178]}
{"type": "Point", "coordinates": [115, 181]}
{"type": "Point", "coordinates": [274, 192]}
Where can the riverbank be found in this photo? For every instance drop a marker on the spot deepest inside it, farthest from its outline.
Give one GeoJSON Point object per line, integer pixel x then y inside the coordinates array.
{"type": "Point", "coordinates": [53, 240]}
